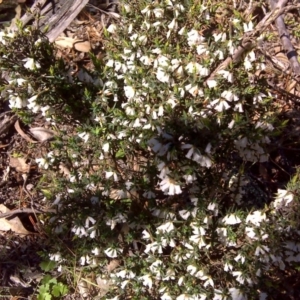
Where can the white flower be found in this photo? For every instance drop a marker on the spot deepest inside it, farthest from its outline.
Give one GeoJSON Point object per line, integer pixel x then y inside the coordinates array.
{"type": "Point", "coordinates": [129, 92]}
{"type": "Point", "coordinates": [158, 12]}
{"type": "Point", "coordinates": [211, 83]}
{"type": "Point", "coordinates": [126, 7]}
{"type": "Point", "coordinates": [181, 31]}
{"type": "Point", "coordinates": [96, 251]}
{"type": "Point", "coordinates": [105, 147]}
{"type": "Point", "coordinates": [16, 102]}
{"type": "Point", "coordinates": [220, 54]}
{"type": "Point", "coordinates": [239, 276]}
{"type": "Point", "coordinates": [111, 174]}
{"type": "Point", "coordinates": [228, 267]}
{"type": "Point", "coordinates": [230, 47]}
{"type": "Point", "coordinates": [194, 90]}
{"type": "Point", "coordinates": [84, 259]}
{"type": "Point", "coordinates": [84, 135]}
{"type": "Point", "coordinates": [88, 221]}
{"type": "Point", "coordinates": [248, 27]}
{"type": "Point", "coordinates": [194, 38]}
{"type": "Point", "coordinates": [227, 75]}
{"type": "Point", "coordinates": [162, 76]}
{"type": "Point", "coordinates": [170, 275]}
{"type": "Point", "coordinates": [146, 235]}
{"type": "Point", "coordinates": [256, 217]}
{"type": "Point", "coordinates": [184, 297]}
{"type": "Point", "coordinates": [250, 233]}
{"type": "Point", "coordinates": [166, 296]}
{"type": "Point", "coordinates": [44, 110]}
{"type": "Point", "coordinates": [231, 219]}
{"type": "Point", "coordinates": [166, 227]}
{"type": "Point", "coordinates": [240, 257]}
{"type": "Point", "coordinates": [229, 96]}
{"type": "Point", "coordinates": [31, 64]}
{"type": "Point", "coordinates": [283, 198]}
{"type": "Point", "coordinates": [143, 39]}
{"type": "Point", "coordinates": [259, 251]}
{"type": "Point", "coordinates": [219, 105]}
{"type": "Point", "coordinates": [55, 257]}
{"type": "Point", "coordinates": [169, 187]}
{"type": "Point", "coordinates": [191, 269]}
{"type": "Point", "coordinates": [219, 37]}
{"type": "Point", "coordinates": [184, 214]}
{"type": "Point", "coordinates": [230, 125]}
{"type": "Point", "coordinates": [201, 49]}
{"type": "Point", "coordinates": [263, 296]}
{"type": "Point", "coordinates": [114, 298]}
{"type": "Point", "coordinates": [32, 105]}
{"type": "Point", "coordinates": [42, 162]}
{"type": "Point", "coordinates": [146, 60]}
{"type": "Point", "coordinates": [110, 252]}
{"type": "Point", "coordinates": [112, 28]}
{"type": "Point", "coordinates": [193, 68]}
{"type": "Point", "coordinates": [147, 280]}
{"type": "Point", "coordinates": [236, 294]}
{"type": "Point", "coordinates": [247, 64]}
{"type": "Point", "coordinates": [213, 207]}
{"type": "Point", "coordinates": [146, 11]}
{"type": "Point", "coordinates": [18, 81]}
{"type": "Point", "coordinates": [153, 247]}
{"type": "Point", "coordinates": [173, 25]}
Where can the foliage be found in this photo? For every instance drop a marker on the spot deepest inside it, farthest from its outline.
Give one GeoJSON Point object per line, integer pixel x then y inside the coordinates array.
{"type": "Point", "coordinates": [32, 72]}
{"type": "Point", "coordinates": [158, 172]}
{"type": "Point", "coordinates": [50, 288]}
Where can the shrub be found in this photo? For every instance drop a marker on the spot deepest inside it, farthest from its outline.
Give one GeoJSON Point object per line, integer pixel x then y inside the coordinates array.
{"type": "Point", "coordinates": [158, 177]}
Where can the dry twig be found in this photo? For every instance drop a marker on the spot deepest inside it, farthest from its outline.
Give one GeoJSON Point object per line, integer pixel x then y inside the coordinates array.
{"type": "Point", "coordinates": [248, 41]}
{"type": "Point", "coordinates": [285, 37]}
{"type": "Point", "coordinates": [26, 211]}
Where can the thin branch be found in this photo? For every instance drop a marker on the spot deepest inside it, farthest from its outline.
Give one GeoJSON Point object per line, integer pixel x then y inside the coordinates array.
{"type": "Point", "coordinates": [26, 211]}
{"type": "Point", "coordinates": [285, 37]}
{"type": "Point", "coordinates": [249, 39]}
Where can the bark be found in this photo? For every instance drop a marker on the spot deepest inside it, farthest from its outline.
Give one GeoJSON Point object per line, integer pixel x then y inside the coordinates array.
{"type": "Point", "coordinates": [54, 16]}
{"type": "Point", "coordinates": [285, 37]}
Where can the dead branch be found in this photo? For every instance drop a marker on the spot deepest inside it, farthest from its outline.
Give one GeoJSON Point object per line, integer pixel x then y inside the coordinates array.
{"type": "Point", "coordinates": [29, 15]}
{"type": "Point", "coordinates": [248, 41]}
{"type": "Point", "coordinates": [285, 37]}
{"type": "Point", "coordinates": [54, 16]}
{"type": "Point", "coordinates": [26, 211]}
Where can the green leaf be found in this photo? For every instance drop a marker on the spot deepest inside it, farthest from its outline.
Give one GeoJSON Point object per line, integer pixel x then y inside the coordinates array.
{"type": "Point", "coordinates": [43, 289]}
{"type": "Point", "coordinates": [44, 296]}
{"type": "Point", "coordinates": [120, 153]}
{"type": "Point", "coordinates": [47, 265]}
{"type": "Point", "coordinates": [48, 279]}
{"type": "Point", "coordinates": [59, 290]}
{"type": "Point", "coordinates": [56, 290]}
{"type": "Point", "coordinates": [47, 296]}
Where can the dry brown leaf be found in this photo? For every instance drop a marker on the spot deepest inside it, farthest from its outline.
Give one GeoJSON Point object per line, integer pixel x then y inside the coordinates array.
{"type": "Point", "coordinates": [22, 133]}
{"type": "Point", "coordinates": [68, 42]}
{"type": "Point", "coordinates": [103, 285]}
{"type": "Point", "coordinates": [83, 289]}
{"type": "Point", "coordinates": [83, 46]}
{"type": "Point", "coordinates": [113, 264]}
{"type": "Point", "coordinates": [42, 134]}
{"type": "Point", "coordinates": [13, 224]}
{"type": "Point", "coordinates": [65, 42]}
{"type": "Point", "coordinates": [19, 163]}
{"type": "Point", "coordinates": [64, 170]}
